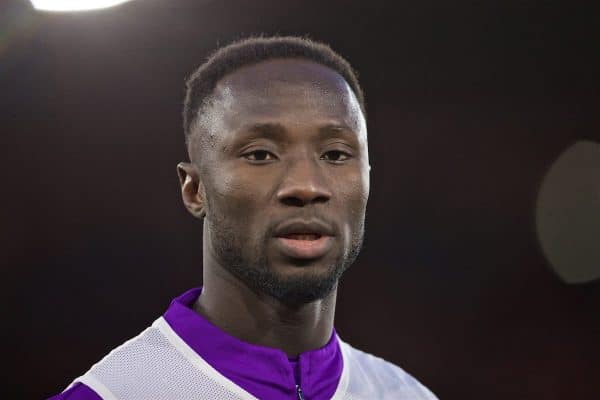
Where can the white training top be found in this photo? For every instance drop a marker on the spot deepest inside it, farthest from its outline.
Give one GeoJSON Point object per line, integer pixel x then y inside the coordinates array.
{"type": "Point", "coordinates": [158, 364]}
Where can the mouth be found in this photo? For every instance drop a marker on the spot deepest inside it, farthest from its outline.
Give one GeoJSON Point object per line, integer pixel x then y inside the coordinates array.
{"type": "Point", "coordinates": [302, 236]}
{"type": "Point", "coordinates": [305, 246]}
{"type": "Point", "coordinates": [304, 240]}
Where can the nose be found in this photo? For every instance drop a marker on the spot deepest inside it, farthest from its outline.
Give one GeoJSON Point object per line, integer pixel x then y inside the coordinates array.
{"type": "Point", "coordinates": [303, 184]}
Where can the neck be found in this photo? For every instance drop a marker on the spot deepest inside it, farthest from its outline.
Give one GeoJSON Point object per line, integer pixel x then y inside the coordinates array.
{"type": "Point", "coordinates": [260, 319]}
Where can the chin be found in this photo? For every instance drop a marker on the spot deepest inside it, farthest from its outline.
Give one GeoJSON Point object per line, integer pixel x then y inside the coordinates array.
{"type": "Point", "coordinates": [304, 284]}
{"type": "Point", "coordinates": [299, 292]}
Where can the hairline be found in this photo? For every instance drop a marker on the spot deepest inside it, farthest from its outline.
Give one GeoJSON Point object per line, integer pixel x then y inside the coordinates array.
{"type": "Point", "coordinates": [209, 99]}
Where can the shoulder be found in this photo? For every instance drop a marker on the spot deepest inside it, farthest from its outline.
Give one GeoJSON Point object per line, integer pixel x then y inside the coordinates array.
{"type": "Point", "coordinates": [116, 370]}
{"type": "Point", "coordinates": [78, 391]}
{"type": "Point", "coordinates": [369, 375]}
{"type": "Point", "coordinates": [155, 364]}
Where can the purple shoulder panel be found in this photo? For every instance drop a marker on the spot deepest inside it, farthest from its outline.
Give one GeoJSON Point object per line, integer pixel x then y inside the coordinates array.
{"type": "Point", "coordinates": [78, 391]}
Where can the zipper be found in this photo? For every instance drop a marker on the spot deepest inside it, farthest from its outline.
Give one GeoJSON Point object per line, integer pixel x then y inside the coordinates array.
{"type": "Point", "coordinates": [299, 393]}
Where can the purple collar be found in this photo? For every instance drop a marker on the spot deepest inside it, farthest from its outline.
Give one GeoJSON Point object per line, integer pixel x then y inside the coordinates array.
{"type": "Point", "coordinates": [264, 372]}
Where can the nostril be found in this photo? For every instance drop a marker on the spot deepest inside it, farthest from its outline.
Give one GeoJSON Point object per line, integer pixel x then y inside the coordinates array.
{"type": "Point", "coordinates": [298, 202]}
{"type": "Point", "coordinates": [292, 201]}
{"type": "Point", "coordinates": [321, 199]}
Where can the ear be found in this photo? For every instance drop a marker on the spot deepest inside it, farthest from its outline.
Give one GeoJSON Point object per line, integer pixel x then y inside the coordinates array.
{"type": "Point", "coordinates": [192, 190]}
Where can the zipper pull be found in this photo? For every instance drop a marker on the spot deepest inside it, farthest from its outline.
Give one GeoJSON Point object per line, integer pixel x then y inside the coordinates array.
{"type": "Point", "coordinates": [299, 393]}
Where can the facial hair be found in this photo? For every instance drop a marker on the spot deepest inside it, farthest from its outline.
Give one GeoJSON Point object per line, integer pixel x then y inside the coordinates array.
{"type": "Point", "coordinates": [253, 268]}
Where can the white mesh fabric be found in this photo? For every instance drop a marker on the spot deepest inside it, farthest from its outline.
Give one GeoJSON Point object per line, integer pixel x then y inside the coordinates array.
{"type": "Point", "coordinates": [154, 366]}
{"type": "Point", "coordinates": [371, 377]}
{"type": "Point", "coordinates": [159, 365]}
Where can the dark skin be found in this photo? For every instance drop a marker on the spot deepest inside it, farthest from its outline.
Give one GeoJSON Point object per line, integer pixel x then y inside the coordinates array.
{"type": "Point", "coordinates": [281, 140]}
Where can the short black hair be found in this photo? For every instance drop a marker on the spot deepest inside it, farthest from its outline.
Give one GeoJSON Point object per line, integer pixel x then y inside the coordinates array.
{"type": "Point", "coordinates": [201, 84]}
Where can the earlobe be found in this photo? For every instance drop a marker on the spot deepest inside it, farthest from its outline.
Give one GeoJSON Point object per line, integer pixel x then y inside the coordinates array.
{"type": "Point", "coordinates": [191, 189]}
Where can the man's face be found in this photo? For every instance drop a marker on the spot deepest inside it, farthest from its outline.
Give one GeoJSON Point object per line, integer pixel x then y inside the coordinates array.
{"type": "Point", "coordinates": [284, 177]}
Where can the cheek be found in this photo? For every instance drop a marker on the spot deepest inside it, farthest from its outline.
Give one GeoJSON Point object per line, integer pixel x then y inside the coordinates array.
{"type": "Point", "coordinates": [354, 191]}
{"type": "Point", "coordinates": [235, 195]}
{"type": "Point", "coordinates": [353, 196]}
{"type": "Point", "coordinates": [230, 196]}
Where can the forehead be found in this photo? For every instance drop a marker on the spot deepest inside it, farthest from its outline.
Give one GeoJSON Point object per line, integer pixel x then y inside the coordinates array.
{"type": "Point", "coordinates": [292, 91]}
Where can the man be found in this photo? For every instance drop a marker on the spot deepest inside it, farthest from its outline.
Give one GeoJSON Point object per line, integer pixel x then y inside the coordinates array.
{"type": "Point", "coordinates": [279, 173]}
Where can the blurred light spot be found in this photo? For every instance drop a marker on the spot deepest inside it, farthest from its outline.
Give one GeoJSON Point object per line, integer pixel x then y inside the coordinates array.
{"type": "Point", "coordinates": [74, 5]}
{"type": "Point", "coordinates": [568, 213]}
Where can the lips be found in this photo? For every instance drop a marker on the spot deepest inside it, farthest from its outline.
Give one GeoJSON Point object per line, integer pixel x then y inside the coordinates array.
{"type": "Point", "coordinates": [304, 239]}
{"type": "Point", "coordinates": [302, 236]}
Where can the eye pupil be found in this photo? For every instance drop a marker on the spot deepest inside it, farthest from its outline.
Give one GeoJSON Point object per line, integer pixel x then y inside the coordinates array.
{"type": "Point", "coordinates": [260, 155]}
{"type": "Point", "coordinates": [335, 155]}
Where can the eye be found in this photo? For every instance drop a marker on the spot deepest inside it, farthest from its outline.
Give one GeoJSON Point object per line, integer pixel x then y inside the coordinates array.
{"type": "Point", "coordinates": [335, 156]}
{"type": "Point", "coordinates": [260, 156]}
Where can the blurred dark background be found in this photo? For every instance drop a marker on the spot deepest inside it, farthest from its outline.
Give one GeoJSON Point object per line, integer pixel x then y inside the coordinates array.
{"type": "Point", "coordinates": [469, 105]}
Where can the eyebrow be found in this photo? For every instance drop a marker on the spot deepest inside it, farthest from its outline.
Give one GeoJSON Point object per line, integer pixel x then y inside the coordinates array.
{"type": "Point", "coordinates": [269, 130]}
{"type": "Point", "coordinates": [335, 127]}
{"type": "Point", "coordinates": [277, 131]}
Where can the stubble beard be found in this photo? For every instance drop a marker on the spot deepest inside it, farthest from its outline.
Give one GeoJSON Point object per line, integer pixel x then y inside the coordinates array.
{"type": "Point", "coordinates": [253, 270]}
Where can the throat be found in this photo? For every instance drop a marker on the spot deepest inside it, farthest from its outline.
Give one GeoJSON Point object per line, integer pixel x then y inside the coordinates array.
{"type": "Point", "coordinates": [257, 318]}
